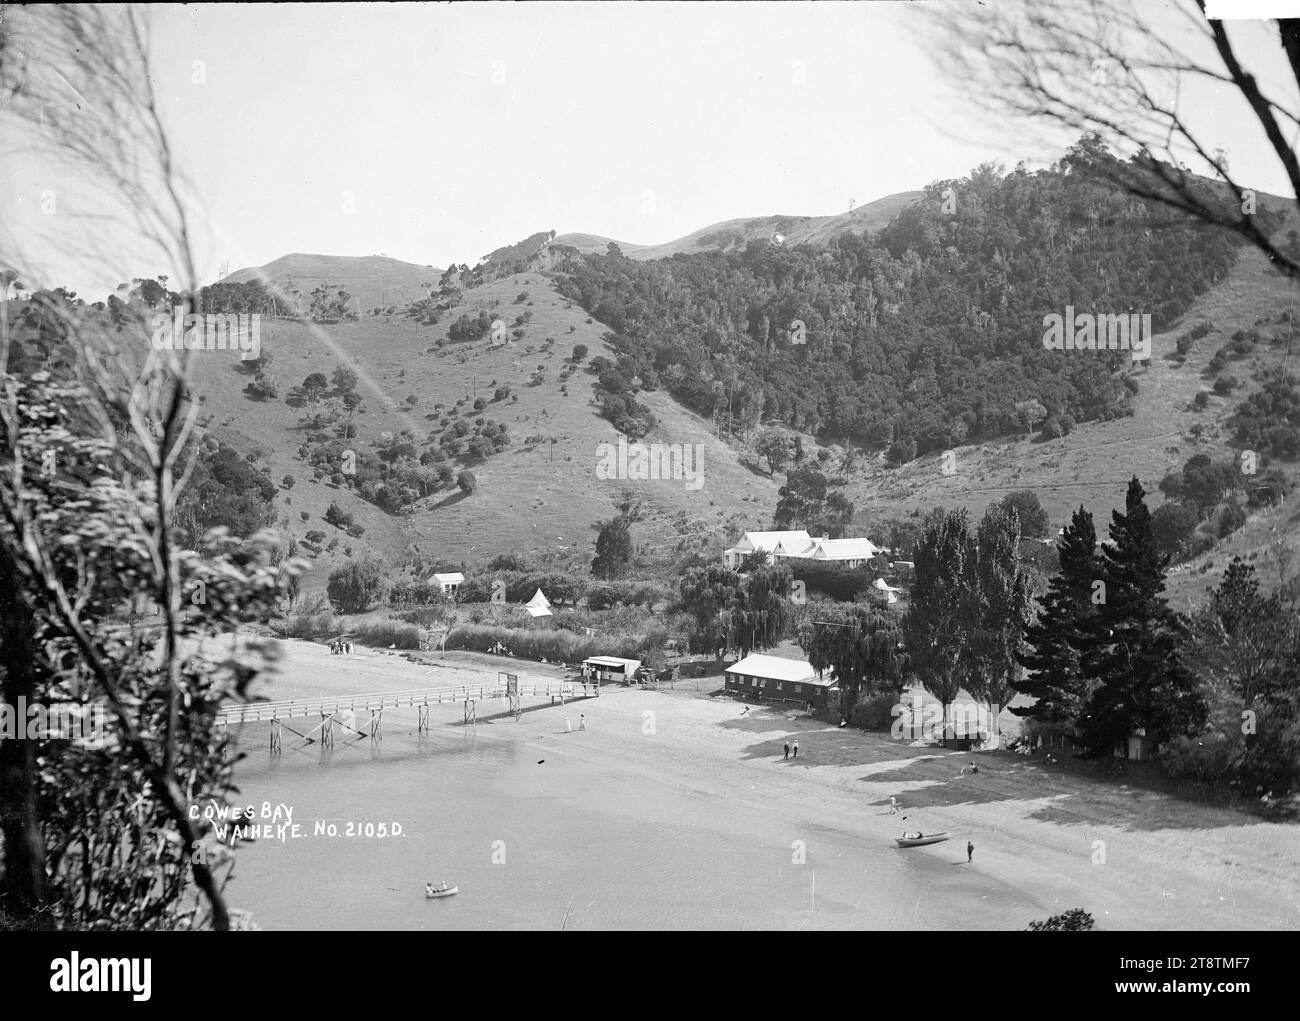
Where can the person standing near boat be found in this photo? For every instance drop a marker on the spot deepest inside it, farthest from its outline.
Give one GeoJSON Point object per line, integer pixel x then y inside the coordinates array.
{"type": "Point", "coordinates": [893, 804]}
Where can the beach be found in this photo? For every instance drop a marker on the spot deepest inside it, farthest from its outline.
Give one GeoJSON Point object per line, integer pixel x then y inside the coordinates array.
{"type": "Point", "coordinates": [675, 810]}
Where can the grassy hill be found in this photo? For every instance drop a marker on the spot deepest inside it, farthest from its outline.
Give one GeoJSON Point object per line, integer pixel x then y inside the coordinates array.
{"type": "Point", "coordinates": [540, 495]}
{"type": "Point", "coordinates": [732, 234]}
{"type": "Point", "coordinates": [375, 281]}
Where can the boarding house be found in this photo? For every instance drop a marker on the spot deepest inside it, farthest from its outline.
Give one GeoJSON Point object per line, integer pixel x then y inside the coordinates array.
{"type": "Point", "coordinates": [779, 680]}
{"type": "Point", "coordinates": [774, 544]}
{"type": "Point", "coordinates": [800, 545]}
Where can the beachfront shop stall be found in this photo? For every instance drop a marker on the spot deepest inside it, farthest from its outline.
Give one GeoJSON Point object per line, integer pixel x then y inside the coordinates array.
{"type": "Point", "coordinates": [604, 669]}
{"type": "Point", "coordinates": [777, 679]}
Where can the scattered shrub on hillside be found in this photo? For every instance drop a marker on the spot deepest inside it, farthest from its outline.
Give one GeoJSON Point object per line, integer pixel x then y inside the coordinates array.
{"type": "Point", "coordinates": [1172, 525]}
{"type": "Point", "coordinates": [466, 329]}
{"type": "Point", "coordinates": [601, 597]}
{"type": "Point", "coordinates": [1268, 421]}
{"type": "Point", "coordinates": [353, 587]}
{"type": "Point", "coordinates": [1231, 516]}
{"type": "Point", "coordinates": [901, 451]}
{"type": "Point", "coordinates": [468, 482]}
{"type": "Point", "coordinates": [337, 517]}
{"type": "Point", "coordinates": [507, 562]}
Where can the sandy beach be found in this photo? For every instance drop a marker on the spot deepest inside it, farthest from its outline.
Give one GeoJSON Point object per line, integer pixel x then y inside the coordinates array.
{"type": "Point", "coordinates": [672, 809]}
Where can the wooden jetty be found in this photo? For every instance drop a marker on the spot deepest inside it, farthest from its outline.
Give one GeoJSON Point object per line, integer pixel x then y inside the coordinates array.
{"type": "Point", "coordinates": [329, 707]}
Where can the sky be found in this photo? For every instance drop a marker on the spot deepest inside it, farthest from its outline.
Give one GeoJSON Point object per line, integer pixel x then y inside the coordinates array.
{"type": "Point", "coordinates": [437, 133]}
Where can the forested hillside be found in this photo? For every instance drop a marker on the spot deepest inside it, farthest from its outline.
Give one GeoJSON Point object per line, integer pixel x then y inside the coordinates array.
{"type": "Point", "coordinates": [923, 336]}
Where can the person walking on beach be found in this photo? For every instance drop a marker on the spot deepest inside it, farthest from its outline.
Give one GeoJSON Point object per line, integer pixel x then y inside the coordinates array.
{"type": "Point", "coordinates": [893, 805]}
{"type": "Point", "coordinates": [787, 749]}
{"type": "Point", "coordinates": [582, 722]}
{"type": "Point", "coordinates": [796, 748]}
{"type": "Point", "coordinates": [970, 851]}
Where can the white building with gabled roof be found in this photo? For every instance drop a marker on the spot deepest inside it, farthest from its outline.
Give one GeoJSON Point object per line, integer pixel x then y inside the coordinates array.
{"type": "Point", "coordinates": [774, 544]}
{"type": "Point", "coordinates": [845, 552]}
{"type": "Point", "coordinates": [802, 546]}
{"type": "Point", "coordinates": [449, 582]}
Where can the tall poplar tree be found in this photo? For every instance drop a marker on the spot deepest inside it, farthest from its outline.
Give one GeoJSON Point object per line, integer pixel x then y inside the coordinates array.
{"type": "Point", "coordinates": [1002, 601]}
{"type": "Point", "coordinates": [942, 611]}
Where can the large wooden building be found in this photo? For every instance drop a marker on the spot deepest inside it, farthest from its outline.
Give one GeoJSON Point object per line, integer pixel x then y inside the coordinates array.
{"type": "Point", "coordinates": [799, 545]}
{"type": "Point", "coordinates": [777, 679]}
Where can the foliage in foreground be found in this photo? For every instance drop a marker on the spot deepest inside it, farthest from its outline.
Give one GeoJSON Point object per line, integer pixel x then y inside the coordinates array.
{"type": "Point", "coordinates": [1074, 920]}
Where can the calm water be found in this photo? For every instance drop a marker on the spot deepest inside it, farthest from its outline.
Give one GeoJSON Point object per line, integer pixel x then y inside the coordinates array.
{"type": "Point", "coordinates": [587, 847]}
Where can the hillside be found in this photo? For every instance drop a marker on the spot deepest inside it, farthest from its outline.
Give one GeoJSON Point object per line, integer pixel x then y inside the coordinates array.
{"type": "Point", "coordinates": [532, 499]}
{"type": "Point", "coordinates": [1092, 466]}
{"type": "Point", "coordinates": [731, 235]}
{"type": "Point", "coordinates": [374, 281]}
{"type": "Point", "coordinates": [540, 496]}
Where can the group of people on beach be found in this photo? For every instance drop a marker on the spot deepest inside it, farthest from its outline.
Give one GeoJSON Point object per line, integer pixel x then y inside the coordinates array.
{"type": "Point", "coordinates": [340, 648]}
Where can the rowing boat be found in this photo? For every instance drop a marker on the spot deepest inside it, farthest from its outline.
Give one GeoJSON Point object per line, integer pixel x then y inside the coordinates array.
{"type": "Point", "coordinates": [921, 839]}
{"type": "Point", "coordinates": [432, 894]}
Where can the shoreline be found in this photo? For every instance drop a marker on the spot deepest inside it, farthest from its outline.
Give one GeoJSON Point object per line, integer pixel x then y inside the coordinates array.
{"type": "Point", "coordinates": [653, 761]}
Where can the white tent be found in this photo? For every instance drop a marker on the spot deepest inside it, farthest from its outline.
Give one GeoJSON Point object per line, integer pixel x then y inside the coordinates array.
{"type": "Point", "coordinates": [539, 605]}
{"type": "Point", "coordinates": [891, 593]}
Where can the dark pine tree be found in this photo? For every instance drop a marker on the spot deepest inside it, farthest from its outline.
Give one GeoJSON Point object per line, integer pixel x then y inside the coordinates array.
{"type": "Point", "coordinates": [1055, 638]}
{"type": "Point", "coordinates": [1132, 655]}
{"type": "Point", "coordinates": [613, 548]}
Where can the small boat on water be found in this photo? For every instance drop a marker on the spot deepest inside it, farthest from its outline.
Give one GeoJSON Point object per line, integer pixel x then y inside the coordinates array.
{"type": "Point", "coordinates": [433, 892]}
{"type": "Point", "coordinates": [921, 839]}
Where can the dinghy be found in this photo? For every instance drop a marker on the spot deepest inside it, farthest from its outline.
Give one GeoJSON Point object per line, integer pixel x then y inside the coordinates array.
{"type": "Point", "coordinates": [920, 839]}
{"type": "Point", "coordinates": [432, 892]}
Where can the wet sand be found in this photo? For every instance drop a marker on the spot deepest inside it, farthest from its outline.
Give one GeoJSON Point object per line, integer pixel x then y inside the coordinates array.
{"type": "Point", "coordinates": [674, 810]}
